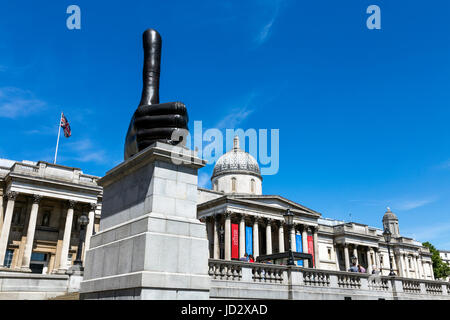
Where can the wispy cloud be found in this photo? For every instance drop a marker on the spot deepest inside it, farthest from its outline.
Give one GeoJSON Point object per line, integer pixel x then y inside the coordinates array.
{"type": "Point", "coordinates": [203, 180]}
{"type": "Point", "coordinates": [414, 203]}
{"type": "Point", "coordinates": [265, 31]}
{"type": "Point", "coordinates": [85, 151]}
{"type": "Point", "coordinates": [238, 113]}
{"type": "Point", "coordinates": [444, 165]}
{"type": "Point", "coordinates": [429, 232]}
{"type": "Point", "coordinates": [43, 130]}
{"type": "Point", "coordinates": [16, 102]}
{"type": "Point", "coordinates": [399, 204]}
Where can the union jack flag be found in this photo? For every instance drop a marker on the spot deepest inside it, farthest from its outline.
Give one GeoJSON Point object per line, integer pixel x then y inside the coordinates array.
{"type": "Point", "coordinates": [65, 125]}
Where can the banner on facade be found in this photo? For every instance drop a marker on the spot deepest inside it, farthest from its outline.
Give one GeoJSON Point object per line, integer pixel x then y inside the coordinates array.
{"type": "Point", "coordinates": [234, 241]}
{"type": "Point", "coordinates": [311, 247]}
{"type": "Point", "coordinates": [299, 245]}
{"type": "Point", "coordinates": [249, 240]}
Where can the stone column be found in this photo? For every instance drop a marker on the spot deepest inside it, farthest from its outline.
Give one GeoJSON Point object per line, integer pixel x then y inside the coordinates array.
{"type": "Point", "coordinates": [7, 225]}
{"type": "Point", "coordinates": [255, 237]}
{"type": "Point", "coordinates": [292, 237]}
{"type": "Point", "coordinates": [216, 236]}
{"type": "Point", "coordinates": [305, 245]}
{"type": "Point", "coordinates": [89, 228]}
{"type": "Point", "coordinates": [335, 248]}
{"type": "Point", "coordinates": [242, 236]}
{"type": "Point", "coordinates": [407, 266]}
{"type": "Point", "coordinates": [281, 237]}
{"type": "Point", "coordinates": [355, 253]}
{"type": "Point", "coordinates": [346, 256]}
{"type": "Point", "coordinates": [421, 273]}
{"type": "Point", "coordinates": [430, 267]}
{"type": "Point", "coordinates": [30, 232]}
{"type": "Point", "coordinates": [416, 264]}
{"type": "Point", "coordinates": [400, 266]}
{"type": "Point", "coordinates": [66, 239]}
{"type": "Point", "coordinates": [227, 244]}
{"type": "Point", "coordinates": [369, 263]}
{"type": "Point", "coordinates": [1, 209]}
{"type": "Point", "coordinates": [316, 248]}
{"type": "Point", "coordinates": [376, 258]}
{"type": "Point", "coordinates": [268, 236]}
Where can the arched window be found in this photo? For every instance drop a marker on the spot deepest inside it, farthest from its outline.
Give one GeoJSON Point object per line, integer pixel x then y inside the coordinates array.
{"type": "Point", "coordinates": [252, 186]}
{"type": "Point", "coordinates": [233, 184]}
{"type": "Point", "coordinates": [216, 185]}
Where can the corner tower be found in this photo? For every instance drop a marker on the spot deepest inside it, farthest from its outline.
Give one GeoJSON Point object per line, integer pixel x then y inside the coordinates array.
{"type": "Point", "coordinates": [390, 221]}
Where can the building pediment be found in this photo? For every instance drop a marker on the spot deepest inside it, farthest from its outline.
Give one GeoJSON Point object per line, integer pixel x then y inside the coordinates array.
{"type": "Point", "coordinates": [273, 203]}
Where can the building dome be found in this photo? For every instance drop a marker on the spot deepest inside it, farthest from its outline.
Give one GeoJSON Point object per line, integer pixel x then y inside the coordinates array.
{"type": "Point", "coordinates": [236, 161]}
{"type": "Point", "coordinates": [237, 172]}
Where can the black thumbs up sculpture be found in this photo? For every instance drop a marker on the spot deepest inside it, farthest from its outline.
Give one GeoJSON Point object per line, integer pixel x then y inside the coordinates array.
{"type": "Point", "coordinates": [153, 121]}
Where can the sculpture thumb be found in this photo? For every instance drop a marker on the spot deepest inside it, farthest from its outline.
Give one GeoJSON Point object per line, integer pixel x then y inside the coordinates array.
{"type": "Point", "coordinates": [152, 61]}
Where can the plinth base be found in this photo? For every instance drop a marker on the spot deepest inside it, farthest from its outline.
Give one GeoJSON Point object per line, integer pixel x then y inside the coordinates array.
{"type": "Point", "coordinates": [150, 244]}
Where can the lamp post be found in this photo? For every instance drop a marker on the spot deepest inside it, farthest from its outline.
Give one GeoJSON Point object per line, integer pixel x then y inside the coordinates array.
{"type": "Point", "coordinates": [387, 237]}
{"type": "Point", "coordinates": [289, 220]}
{"type": "Point", "coordinates": [83, 221]}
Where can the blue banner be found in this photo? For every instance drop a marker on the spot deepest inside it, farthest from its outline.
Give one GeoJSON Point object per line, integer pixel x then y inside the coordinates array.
{"type": "Point", "coordinates": [298, 243]}
{"type": "Point", "coordinates": [249, 240]}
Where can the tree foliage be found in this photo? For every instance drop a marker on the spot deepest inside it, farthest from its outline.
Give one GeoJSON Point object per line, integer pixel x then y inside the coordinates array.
{"type": "Point", "coordinates": [440, 268]}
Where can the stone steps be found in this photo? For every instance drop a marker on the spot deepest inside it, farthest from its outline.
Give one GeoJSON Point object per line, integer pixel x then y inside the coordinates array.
{"type": "Point", "coordinates": [67, 296]}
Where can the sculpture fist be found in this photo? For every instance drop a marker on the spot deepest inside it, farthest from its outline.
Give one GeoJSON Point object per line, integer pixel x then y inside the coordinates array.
{"type": "Point", "coordinates": [156, 122]}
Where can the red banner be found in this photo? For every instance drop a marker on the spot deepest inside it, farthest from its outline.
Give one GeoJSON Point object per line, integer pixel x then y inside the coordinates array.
{"type": "Point", "coordinates": [311, 247]}
{"type": "Point", "coordinates": [234, 241]}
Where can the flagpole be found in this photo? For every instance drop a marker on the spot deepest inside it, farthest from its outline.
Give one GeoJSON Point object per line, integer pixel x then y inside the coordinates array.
{"type": "Point", "coordinates": [57, 141]}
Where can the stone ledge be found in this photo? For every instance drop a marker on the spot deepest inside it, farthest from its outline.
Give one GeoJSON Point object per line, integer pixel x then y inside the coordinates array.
{"type": "Point", "coordinates": [156, 151]}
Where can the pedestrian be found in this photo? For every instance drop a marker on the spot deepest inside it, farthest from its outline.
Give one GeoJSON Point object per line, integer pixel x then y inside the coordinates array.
{"type": "Point", "coordinates": [361, 269]}
{"type": "Point", "coordinates": [353, 268]}
{"type": "Point", "coordinates": [374, 270]}
{"type": "Point", "coordinates": [251, 259]}
{"type": "Point", "coordinates": [244, 258]}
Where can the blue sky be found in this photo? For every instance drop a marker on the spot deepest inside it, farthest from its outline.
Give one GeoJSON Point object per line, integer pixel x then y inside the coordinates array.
{"type": "Point", "coordinates": [363, 114]}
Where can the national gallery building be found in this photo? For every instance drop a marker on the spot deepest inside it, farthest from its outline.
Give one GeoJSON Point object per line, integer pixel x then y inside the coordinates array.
{"type": "Point", "coordinates": [39, 212]}
{"type": "Point", "coordinates": [42, 204]}
{"type": "Point", "coordinates": [240, 219]}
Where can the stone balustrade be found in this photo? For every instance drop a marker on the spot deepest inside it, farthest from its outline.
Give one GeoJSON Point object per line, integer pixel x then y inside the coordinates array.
{"type": "Point", "coordinates": [243, 280]}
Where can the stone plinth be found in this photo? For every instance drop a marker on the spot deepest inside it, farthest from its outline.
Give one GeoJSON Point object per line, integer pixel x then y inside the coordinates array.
{"type": "Point", "coordinates": [150, 244]}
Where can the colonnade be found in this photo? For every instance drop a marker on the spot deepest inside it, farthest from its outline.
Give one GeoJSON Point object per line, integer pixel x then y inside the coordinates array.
{"type": "Point", "coordinates": [6, 222]}
{"type": "Point", "coordinates": [400, 260]}
{"type": "Point", "coordinates": [370, 253]}
{"type": "Point", "coordinates": [412, 266]}
{"type": "Point", "coordinates": [219, 225]}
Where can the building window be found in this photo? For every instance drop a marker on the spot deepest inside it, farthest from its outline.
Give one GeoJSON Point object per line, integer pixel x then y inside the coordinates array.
{"type": "Point", "coordinates": [38, 263]}
{"type": "Point", "coordinates": [216, 185]}
{"type": "Point", "coordinates": [252, 186]}
{"type": "Point", "coordinates": [381, 260]}
{"type": "Point", "coordinates": [233, 184]}
{"type": "Point", "coordinates": [46, 218]}
{"type": "Point", "coordinates": [329, 253]}
{"type": "Point", "coordinates": [8, 258]}
{"type": "Point", "coordinates": [409, 263]}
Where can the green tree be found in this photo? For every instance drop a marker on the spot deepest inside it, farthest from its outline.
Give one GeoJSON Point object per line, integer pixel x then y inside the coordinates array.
{"type": "Point", "coordinates": [441, 270]}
